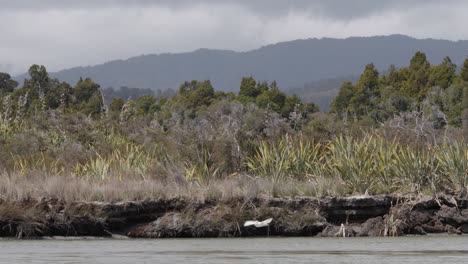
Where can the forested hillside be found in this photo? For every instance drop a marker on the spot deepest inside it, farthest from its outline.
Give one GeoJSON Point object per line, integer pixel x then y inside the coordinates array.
{"type": "Point", "coordinates": [291, 64]}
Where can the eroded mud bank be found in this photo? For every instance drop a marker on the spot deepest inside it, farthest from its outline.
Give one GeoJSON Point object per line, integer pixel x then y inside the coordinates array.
{"type": "Point", "coordinates": [305, 216]}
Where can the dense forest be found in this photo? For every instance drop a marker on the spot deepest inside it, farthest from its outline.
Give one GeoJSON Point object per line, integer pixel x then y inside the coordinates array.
{"type": "Point", "coordinates": [401, 132]}
{"type": "Point", "coordinates": [435, 90]}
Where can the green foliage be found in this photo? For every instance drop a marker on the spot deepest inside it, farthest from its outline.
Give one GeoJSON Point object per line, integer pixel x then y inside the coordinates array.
{"type": "Point", "coordinates": [443, 74]}
{"type": "Point", "coordinates": [452, 161]}
{"type": "Point", "coordinates": [194, 96]}
{"type": "Point", "coordinates": [269, 96]}
{"type": "Point", "coordinates": [415, 168]}
{"type": "Point", "coordinates": [116, 105]}
{"type": "Point", "coordinates": [271, 99]}
{"type": "Point", "coordinates": [88, 97]}
{"type": "Point", "coordinates": [365, 91]}
{"type": "Point", "coordinates": [356, 163]}
{"type": "Point", "coordinates": [201, 137]}
{"type": "Point", "coordinates": [417, 76]}
{"type": "Point", "coordinates": [41, 93]}
{"type": "Point", "coordinates": [249, 88]}
{"type": "Point", "coordinates": [7, 85]}
{"type": "Point", "coordinates": [145, 104]}
{"type": "Point", "coordinates": [287, 158]}
{"type": "Point", "coordinates": [84, 90]}
{"type": "Point", "coordinates": [404, 90]}
{"type": "Point", "coordinates": [464, 71]}
{"type": "Point", "coordinates": [39, 82]}
{"type": "Point", "coordinates": [341, 103]}
{"type": "Point", "coordinates": [94, 106]}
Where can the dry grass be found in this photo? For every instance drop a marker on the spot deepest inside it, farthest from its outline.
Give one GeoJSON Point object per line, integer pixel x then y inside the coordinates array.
{"type": "Point", "coordinates": [17, 220]}
{"type": "Point", "coordinates": [76, 158]}
{"type": "Point", "coordinates": [68, 188]}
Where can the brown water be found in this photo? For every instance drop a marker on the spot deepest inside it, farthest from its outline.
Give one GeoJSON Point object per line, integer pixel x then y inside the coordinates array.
{"type": "Point", "coordinates": [423, 249]}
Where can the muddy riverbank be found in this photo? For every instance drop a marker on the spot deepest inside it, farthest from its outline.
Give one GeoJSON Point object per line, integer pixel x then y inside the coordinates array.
{"type": "Point", "coordinates": [303, 216]}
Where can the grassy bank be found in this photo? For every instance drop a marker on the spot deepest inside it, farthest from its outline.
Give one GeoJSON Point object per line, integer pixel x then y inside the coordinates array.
{"type": "Point", "coordinates": [222, 154]}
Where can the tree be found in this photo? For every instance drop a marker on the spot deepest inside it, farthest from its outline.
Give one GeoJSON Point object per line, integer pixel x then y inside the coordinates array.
{"type": "Point", "coordinates": [369, 81]}
{"type": "Point", "coordinates": [53, 94]}
{"type": "Point", "coordinates": [366, 91]}
{"type": "Point", "coordinates": [192, 97]}
{"type": "Point", "coordinates": [341, 102]}
{"type": "Point", "coordinates": [464, 71]}
{"type": "Point", "coordinates": [65, 91]}
{"type": "Point", "coordinates": [392, 75]}
{"type": "Point", "coordinates": [84, 90]}
{"type": "Point", "coordinates": [7, 85]}
{"type": "Point", "coordinates": [291, 103]}
{"type": "Point", "coordinates": [39, 82]}
{"type": "Point", "coordinates": [88, 97]}
{"type": "Point", "coordinates": [203, 94]}
{"type": "Point", "coordinates": [248, 88]}
{"type": "Point", "coordinates": [116, 105]}
{"type": "Point", "coordinates": [144, 104]}
{"type": "Point", "coordinates": [44, 92]}
{"type": "Point", "coordinates": [417, 81]}
{"type": "Point", "coordinates": [443, 74]}
{"type": "Point", "coordinates": [94, 106]}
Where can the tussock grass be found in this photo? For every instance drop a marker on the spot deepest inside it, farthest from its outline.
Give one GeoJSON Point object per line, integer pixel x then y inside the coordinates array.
{"type": "Point", "coordinates": [77, 158]}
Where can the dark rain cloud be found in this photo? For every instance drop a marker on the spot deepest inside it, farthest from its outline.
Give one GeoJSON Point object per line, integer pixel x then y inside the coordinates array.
{"type": "Point", "coordinates": [66, 33]}
{"type": "Point", "coordinates": [333, 9]}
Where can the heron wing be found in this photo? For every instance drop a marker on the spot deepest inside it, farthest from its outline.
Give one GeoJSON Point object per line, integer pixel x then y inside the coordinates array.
{"type": "Point", "coordinates": [264, 223]}
{"type": "Point", "coordinates": [250, 223]}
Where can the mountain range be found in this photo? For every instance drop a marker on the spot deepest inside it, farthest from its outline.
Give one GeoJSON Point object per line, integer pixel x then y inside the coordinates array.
{"type": "Point", "coordinates": [298, 66]}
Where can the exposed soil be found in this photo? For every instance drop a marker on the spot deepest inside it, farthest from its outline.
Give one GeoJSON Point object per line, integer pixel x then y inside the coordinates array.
{"type": "Point", "coordinates": [304, 216]}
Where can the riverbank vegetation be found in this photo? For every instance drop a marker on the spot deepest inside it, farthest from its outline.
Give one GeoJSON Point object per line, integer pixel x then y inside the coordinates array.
{"type": "Point", "coordinates": [402, 132]}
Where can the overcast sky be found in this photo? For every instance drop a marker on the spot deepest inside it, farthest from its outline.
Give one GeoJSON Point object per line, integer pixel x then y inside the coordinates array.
{"type": "Point", "coordinates": [61, 34]}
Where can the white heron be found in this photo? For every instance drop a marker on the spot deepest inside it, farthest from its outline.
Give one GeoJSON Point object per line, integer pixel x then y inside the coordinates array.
{"type": "Point", "coordinates": [257, 223]}
{"type": "Point", "coordinates": [342, 230]}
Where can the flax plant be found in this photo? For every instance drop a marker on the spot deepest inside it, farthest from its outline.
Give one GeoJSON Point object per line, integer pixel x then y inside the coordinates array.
{"type": "Point", "coordinates": [133, 159]}
{"type": "Point", "coordinates": [357, 163]}
{"type": "Point", "coordinates": [290, 158]}
{"type": "Point", "coordinates": [416, 168]}
{"type": "Point", "coordinates": [453, 162]}
{"type": "Point", "coordinates": [9, 126]}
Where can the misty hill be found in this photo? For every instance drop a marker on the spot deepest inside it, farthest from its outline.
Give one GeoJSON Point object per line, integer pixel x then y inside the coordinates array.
{"type": "Point", "coordinates": [292, 63]}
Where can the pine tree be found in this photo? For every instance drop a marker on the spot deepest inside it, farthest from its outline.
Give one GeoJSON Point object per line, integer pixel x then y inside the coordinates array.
{"type": "Point", "coordinates": [416, 84]}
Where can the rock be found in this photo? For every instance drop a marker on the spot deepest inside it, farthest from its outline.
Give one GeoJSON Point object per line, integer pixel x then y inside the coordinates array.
{"type": "Point", "coordinates": [427, 205]}
{"type": "Point", "coordinates": [419, 217]}
{"type": "Point", "coordinates": [452, 230]}
{"type": "Point", "coordinates": [338, 231]}
{"type": "Point", "coordinates": [462, 199]}
{"type": "Point", "coordinates": [452, 216]}
{"type": "Point", "coordinates": [396, 222]}
{"type": "Point", "coordinates": [373, 227]}
{"type": "Point", "coordinates": [434, 228]}
{"type": "Point", "coordinates": [464, 228]}
{"type": "Point", "coordinates": [339, 210]}
{"type": "Point", "coordinates": [418, 230]}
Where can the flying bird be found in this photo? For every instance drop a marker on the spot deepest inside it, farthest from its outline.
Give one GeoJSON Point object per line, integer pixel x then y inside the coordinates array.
{"type": "Point", "coordinates": [257, 223]}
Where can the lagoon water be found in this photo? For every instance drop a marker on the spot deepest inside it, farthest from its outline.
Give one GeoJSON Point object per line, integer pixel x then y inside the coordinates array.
{"type": "Point", "coordinates": [422, 249]}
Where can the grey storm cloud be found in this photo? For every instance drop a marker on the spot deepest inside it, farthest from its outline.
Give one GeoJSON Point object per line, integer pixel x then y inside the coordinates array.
{"type": "Point", "coordinates": [66, 33]}
{"type": "Point", "coordinates": [336, 9]}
